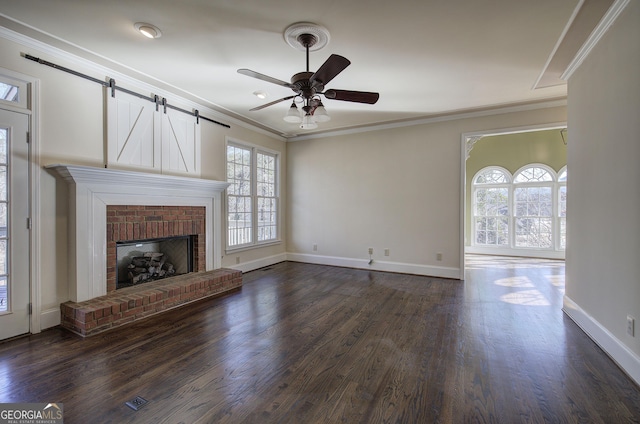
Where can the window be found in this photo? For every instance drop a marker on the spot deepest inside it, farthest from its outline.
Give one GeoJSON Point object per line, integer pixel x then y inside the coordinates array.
{"type": "Point", "coordinates": [534, 208]}
{"type": "Point", "coordinates": [491, 211]}
{"type": "Point", "coordinates": [9, 92]}
{"type": "Point", "coordinates": [527, 211]}
{"type": "Point", "coordinates": [252, 197]}
{"type": "Point", "coordinates": [266, 194]}
{"type": "Point", "coordinates": [4, 242]}
{"type": "Point", "coordinates": [13, 91]}
{"type": "Point", "coordinates": [562, 207]}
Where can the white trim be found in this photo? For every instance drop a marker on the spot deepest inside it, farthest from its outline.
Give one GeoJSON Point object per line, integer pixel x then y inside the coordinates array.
{"type": "Point", "coordinates": [376, 265]}
{"type": "Point", "coordinates": [123, 79]}
{"type": "Point", "coordinates": [260, 263]}
{"type": "Point", "coordinates": [612, 346]}
{"type": "Point", "coordinates": [93, 189]}
{"type": "Point", "coordinates": [558, 43]}
{"type": "Point", "coordinates": [32, 108]}
{"type": "Point", "coordinates": [603, 26]}
{"type": "Point", "coordinates": [255, 149]}
{"type": "Point", "coordinates": [36, 211]}
{"type": "Point", "coordinates": [48, 318]}
{"type": "Point", "coordinates": [434, 119]}
{"type": "Point", "coordinates": [515, 130]}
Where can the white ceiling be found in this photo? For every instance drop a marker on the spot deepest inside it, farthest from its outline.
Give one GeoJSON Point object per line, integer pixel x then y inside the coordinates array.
{"type": "Point", "coordinates": [425, 57]}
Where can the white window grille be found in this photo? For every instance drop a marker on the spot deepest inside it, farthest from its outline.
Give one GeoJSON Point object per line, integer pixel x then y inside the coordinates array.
{"type": "Point", "coordinates": [491, 207]}
{"type": "Point", "coordinates": [252, 196]}
{"type": "Point", "coordinates": [526, 211]}
{"type": "Point", "coordinates": [533, 197]}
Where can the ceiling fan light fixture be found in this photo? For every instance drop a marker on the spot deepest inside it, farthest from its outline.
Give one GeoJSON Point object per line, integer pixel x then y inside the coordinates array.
{"type": "Point", "coordinates": [320, 114]}
{"type": "Point", "coordinates": [308, 122]}
{"type": "Point", "coordinates": [148, 30]}
{"type": "Point", "coordinates": [293, 114]}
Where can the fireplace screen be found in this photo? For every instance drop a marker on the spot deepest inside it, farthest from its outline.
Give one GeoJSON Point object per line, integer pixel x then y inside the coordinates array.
{"type": "Point", "coordinates": [142, 261]}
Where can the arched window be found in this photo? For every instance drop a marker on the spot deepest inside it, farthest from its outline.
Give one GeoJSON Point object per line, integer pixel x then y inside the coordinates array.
{"type": "Point", "coordinates": [491, 207]}
{"type": "Point", "coordinates": [523, 212]}
{"type": "Point", "coordinates": [533, 207]}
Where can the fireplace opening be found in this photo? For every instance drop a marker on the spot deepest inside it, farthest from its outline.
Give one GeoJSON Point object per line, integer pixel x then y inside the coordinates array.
{"type": "Point", "coordinates": [143, 261]}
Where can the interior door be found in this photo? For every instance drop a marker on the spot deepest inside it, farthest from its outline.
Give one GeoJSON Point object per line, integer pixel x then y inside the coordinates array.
{"type": "Point", "coordinates": [14, 232]}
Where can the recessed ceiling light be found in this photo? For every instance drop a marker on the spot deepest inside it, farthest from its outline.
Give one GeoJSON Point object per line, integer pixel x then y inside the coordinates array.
{"type": "Point", "coordinates": [148, 30]}
{"type": "Point", "coordinates": [261, 94]}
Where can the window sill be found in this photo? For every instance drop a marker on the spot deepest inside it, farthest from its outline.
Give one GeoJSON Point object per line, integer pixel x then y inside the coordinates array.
{"type": "Point", "coordinates": [516, 251]}
{"type": "Point", "coordinates": [252, 246]}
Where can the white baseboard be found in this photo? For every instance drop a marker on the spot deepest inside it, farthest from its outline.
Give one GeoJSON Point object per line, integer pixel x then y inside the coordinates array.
{"type": "Point", "coordinates": [377, 265]}
{"type": "Point", "coordinates": [618, 351]}
{"type": "Point", "coordinates": [260, 263]}
{"type": "Point", "coordinates": [49, 318]}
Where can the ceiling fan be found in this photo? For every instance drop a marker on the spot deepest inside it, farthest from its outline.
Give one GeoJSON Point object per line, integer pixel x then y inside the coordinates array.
{"type": "Point", "coordinates": [308, 87]}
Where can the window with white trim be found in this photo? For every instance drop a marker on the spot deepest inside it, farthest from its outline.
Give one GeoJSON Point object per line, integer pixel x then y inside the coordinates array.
{"type": "Point", "coordinates": [562, 207]}
{"type": "Point", "coordinates": [533, 197]}
{"type": "Point", "coordinates": [526, 211]}
{"type": "Point", "coordinates": [14, 92]}
{"type": "Point", "coordinates": [491, 207]}
{"type": "Point", "coordinates": [252, 196]}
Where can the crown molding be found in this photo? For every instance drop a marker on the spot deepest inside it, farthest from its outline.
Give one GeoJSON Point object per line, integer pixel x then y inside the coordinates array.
{"type": "Point", "coordinates": [435, 119]}
{"type": "Point", "coordinates": [603, 26]}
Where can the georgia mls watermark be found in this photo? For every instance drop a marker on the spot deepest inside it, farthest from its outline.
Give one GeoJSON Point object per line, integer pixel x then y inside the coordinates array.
{"type": "Point", "coordinates": [31, 413]}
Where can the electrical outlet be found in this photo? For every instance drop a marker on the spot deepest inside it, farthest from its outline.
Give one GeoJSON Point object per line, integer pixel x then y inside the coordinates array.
{"type": "Point", "coordinates": [438, 256]}
{"type": "Point", "coordinates": [630, 325]}
{"type": "Point", "coordinates": [315, 247]}
{"type": "Point", "coordinates": [237, 259]}
{"type": "Point", "coordinates": [386, 252]}
{"type": "Point", "coordinates": [371, 250]}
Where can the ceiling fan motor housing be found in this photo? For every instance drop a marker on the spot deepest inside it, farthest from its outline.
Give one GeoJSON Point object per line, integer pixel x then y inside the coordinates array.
{"type": "Point", "coordinates": [303, 86]}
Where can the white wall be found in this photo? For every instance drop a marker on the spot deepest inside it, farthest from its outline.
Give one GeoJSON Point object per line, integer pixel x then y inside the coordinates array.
{"type": "Point", "coordinates": [394, 188]}
{"type": "Point", "coordinates": [71, 131]}
{"type": "Point", "coordinates": [603, 253]}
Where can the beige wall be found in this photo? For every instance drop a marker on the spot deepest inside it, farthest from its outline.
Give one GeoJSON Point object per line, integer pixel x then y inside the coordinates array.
{"type": "Point", "coordinates": [71, 131]}
{"type": "Point", "coordinates": [603, 283]}
{"type": "Point", "coordinates": [395, 188]}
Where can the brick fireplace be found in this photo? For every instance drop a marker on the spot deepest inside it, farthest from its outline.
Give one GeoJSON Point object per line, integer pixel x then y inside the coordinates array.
{"type": "Point", "coordinates": [107, 206]}
{"type": "Point", "coordinates": [136, 222]}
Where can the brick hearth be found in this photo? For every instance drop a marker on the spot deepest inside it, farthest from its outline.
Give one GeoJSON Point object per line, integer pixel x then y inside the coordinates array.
{"type": "Point", "coordinates": [133, 303]}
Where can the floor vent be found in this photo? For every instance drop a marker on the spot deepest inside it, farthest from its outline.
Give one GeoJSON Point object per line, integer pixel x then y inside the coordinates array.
{"type": "Point", "coordinates": [137, 403]}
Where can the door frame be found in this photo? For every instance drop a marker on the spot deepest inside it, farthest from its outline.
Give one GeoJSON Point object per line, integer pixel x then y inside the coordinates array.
{"type": "Point", "coordinates": [30, 108]}
{"type": "Point", "coordinates": [467, 140]}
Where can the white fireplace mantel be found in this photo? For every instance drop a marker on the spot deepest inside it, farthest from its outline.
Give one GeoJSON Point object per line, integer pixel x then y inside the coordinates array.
{"type": "Point", "coordinates": [93, 189]}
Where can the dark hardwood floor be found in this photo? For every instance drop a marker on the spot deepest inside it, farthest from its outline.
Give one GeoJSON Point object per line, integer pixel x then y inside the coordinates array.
{"type": "Point", "coordinates": [307, 344]}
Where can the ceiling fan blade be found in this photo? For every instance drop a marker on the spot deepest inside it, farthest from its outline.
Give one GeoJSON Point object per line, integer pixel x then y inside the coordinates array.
{"type": "Point", "coordinates": [254, 74]}
{"type": "Point", "coordinates": [352, 96]}
{"type": "Point", "coordinates": [329, 69]}
{"type": "Point", "coordinates": [271, 103]}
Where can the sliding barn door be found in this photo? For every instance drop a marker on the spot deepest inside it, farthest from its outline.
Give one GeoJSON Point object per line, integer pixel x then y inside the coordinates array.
{"type": "Point", "coordinates": [139, 137]}
{"type": "Point", "coordinates": [133, 133]}
{"type": "Point", "coordinates": [180, 143]}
